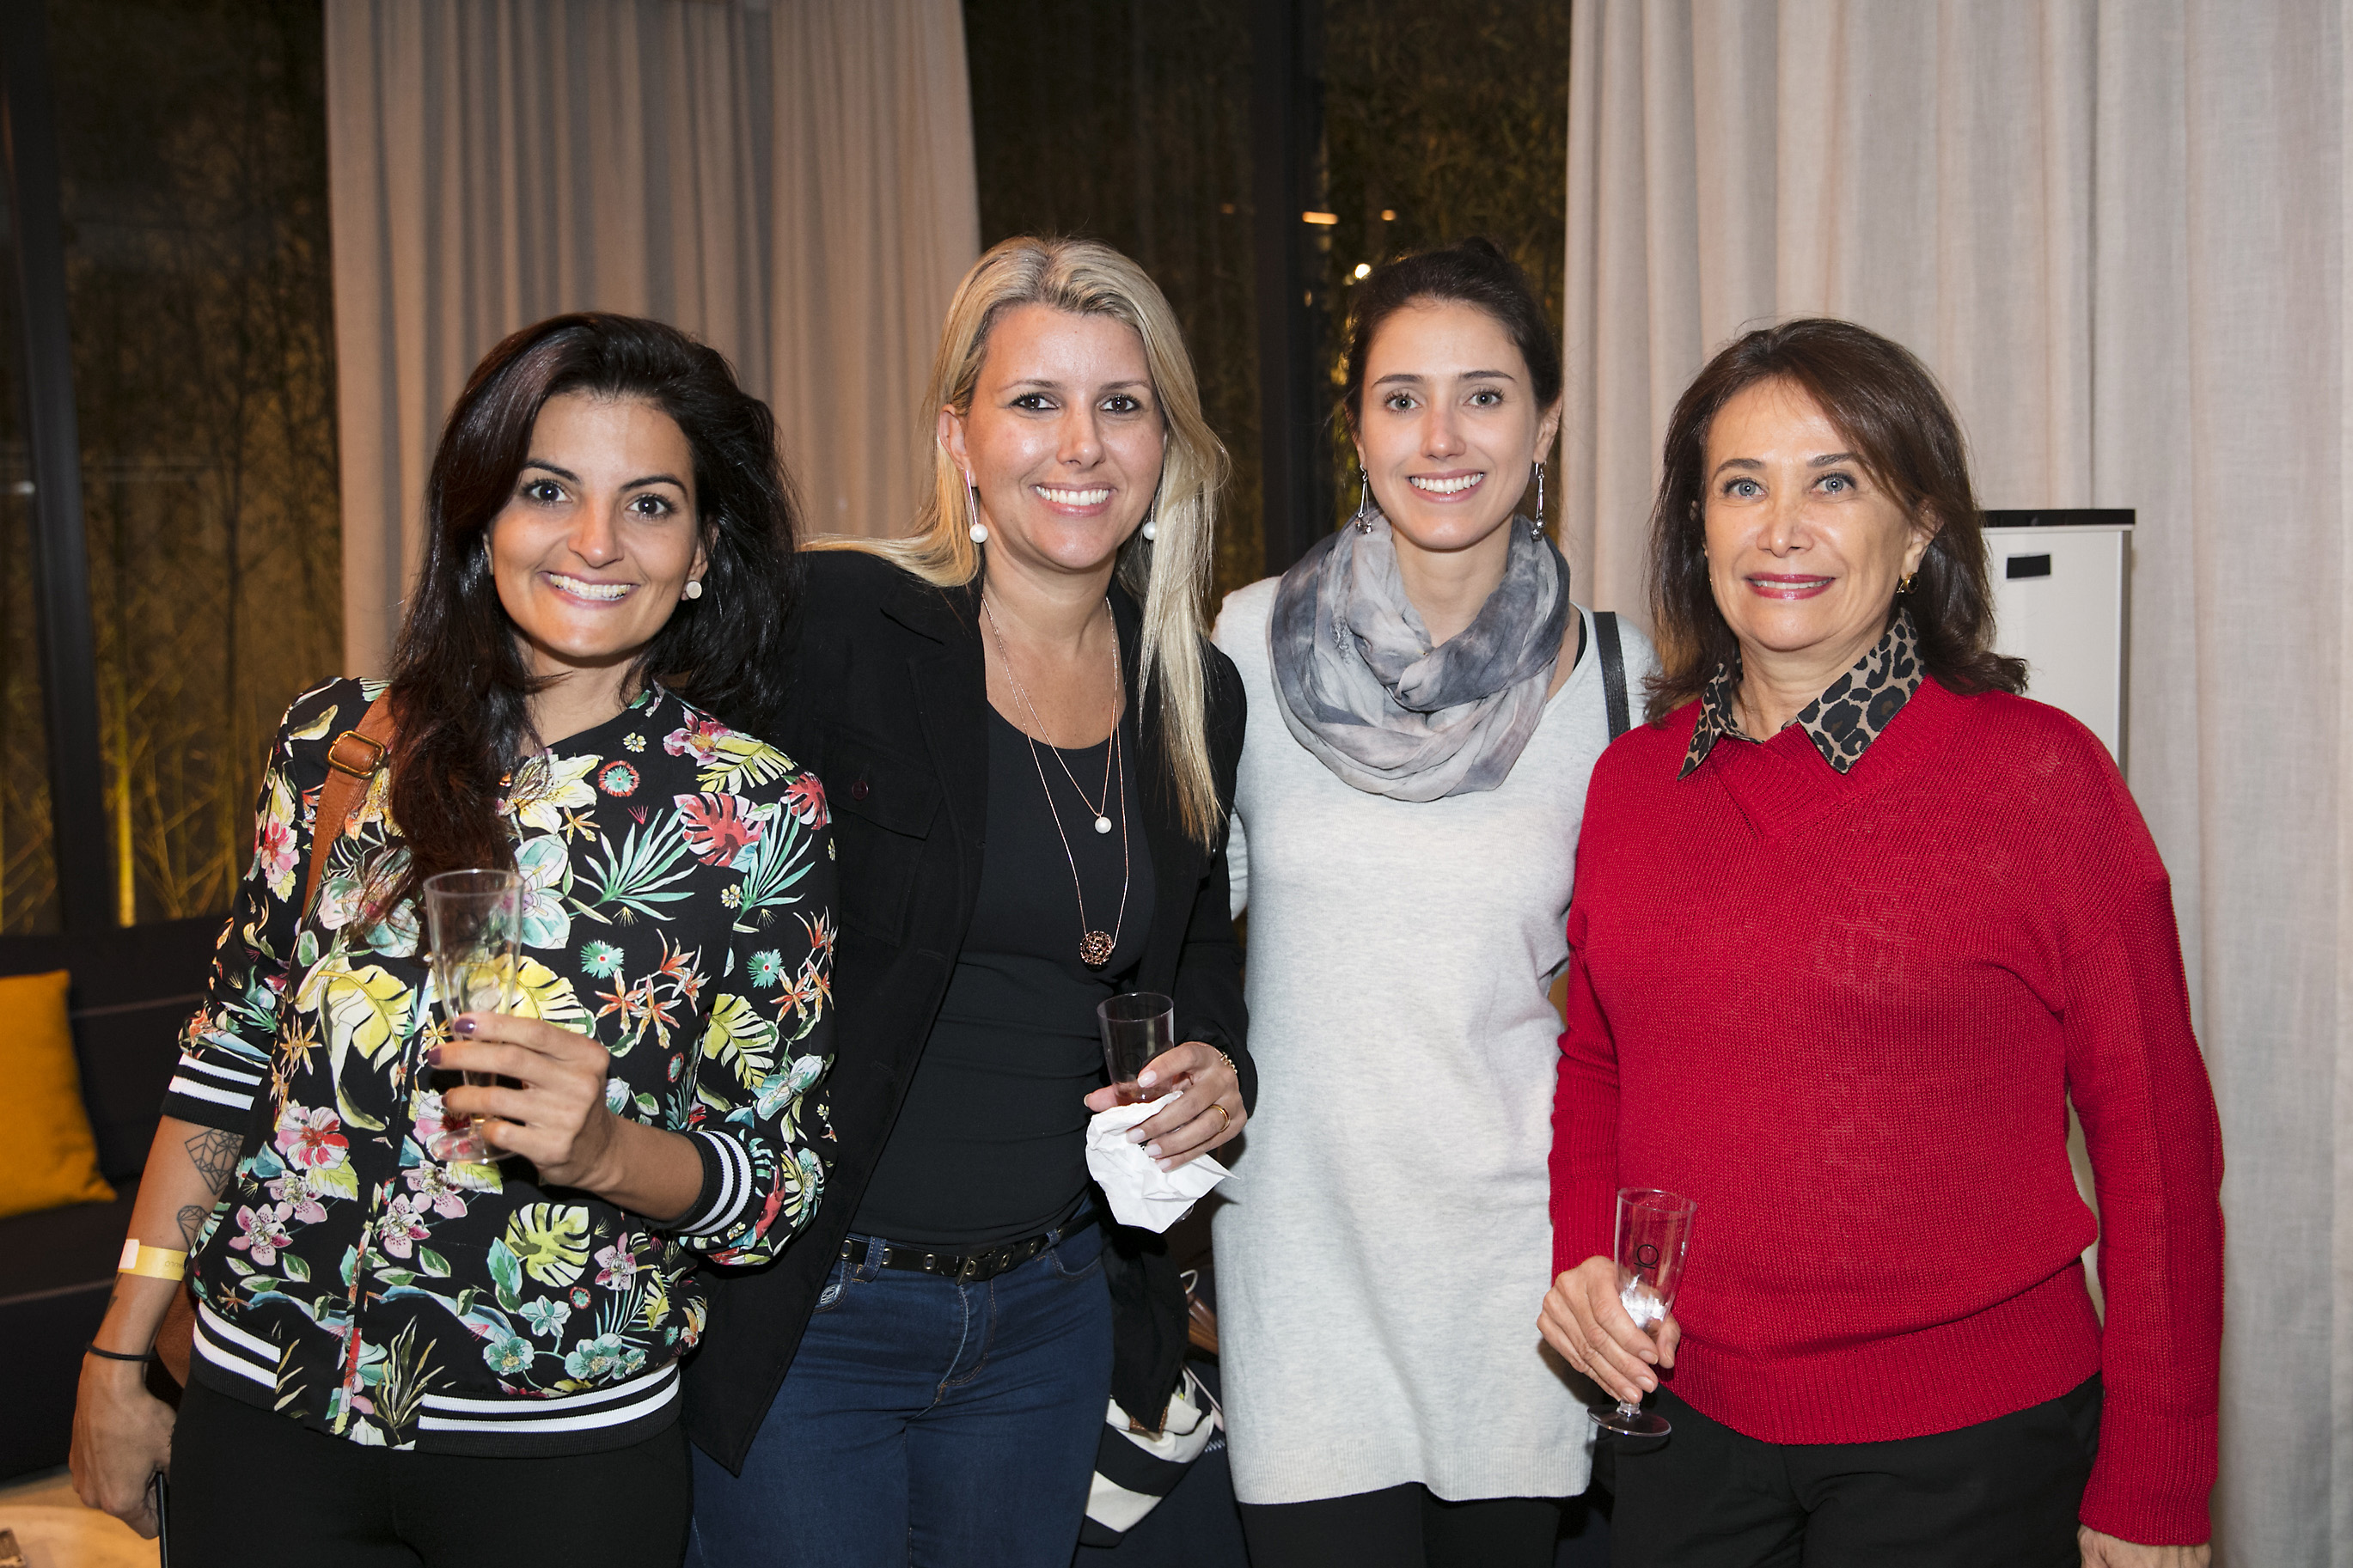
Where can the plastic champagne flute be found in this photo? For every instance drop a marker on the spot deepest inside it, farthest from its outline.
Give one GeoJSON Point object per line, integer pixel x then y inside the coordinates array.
{"type": "Point", "coordinates": [474, 921]}
{"type": "Point", "coordinates": [1653, 1232]}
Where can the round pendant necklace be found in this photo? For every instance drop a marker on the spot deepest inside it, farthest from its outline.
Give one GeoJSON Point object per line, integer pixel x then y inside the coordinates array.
{"type": "Point", "coordinates": [1095, 947]}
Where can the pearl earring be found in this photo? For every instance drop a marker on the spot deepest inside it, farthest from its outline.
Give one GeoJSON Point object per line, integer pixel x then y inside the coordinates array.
{"type": "Point", "coordinates": [1151, 528]}
{"type": "Point", "coordinates": [979, 529]}
{"type": "Point", "coordinates": [694, 587]}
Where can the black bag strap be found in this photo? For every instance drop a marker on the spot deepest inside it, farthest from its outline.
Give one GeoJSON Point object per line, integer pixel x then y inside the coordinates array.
{"type": "Point", "coordinates": [1613, 671]}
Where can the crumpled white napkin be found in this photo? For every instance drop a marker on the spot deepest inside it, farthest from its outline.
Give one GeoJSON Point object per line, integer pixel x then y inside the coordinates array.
{"type": "Point", "coordinates": [1141, 1193]}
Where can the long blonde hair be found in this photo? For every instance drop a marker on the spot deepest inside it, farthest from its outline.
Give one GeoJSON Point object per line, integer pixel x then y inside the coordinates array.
{"type": "Point", "coordinates": [1169, 575]}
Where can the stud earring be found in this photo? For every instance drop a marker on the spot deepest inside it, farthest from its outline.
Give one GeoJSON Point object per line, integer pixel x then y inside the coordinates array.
{"type": "Point", "coordinates": [1151, 528]}
{"type": "Point", "coordinates": [694, 587]}
{"type": "Point", "coordinates": [1905, 586]}
{"type": "Point", "coordinates": [1363, 519]}
{"type": "Point", "coordinates": [979, 529]}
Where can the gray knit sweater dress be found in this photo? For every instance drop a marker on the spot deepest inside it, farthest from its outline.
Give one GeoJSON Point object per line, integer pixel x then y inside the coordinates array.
{"type": "Point", "coordinates": [1384, 1245]}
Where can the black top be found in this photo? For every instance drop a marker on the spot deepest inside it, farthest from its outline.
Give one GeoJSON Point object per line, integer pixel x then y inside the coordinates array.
{"type": "Point", "coordinates": [890, 706]}
{"type": "Point", "coordinates": [990, 1143]}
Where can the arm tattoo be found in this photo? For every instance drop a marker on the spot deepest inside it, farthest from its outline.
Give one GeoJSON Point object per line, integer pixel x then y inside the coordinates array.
{"type": "Point", "coordinates": [215, 1151]}
{"type": "Point", "coordinates": [192, 1220]}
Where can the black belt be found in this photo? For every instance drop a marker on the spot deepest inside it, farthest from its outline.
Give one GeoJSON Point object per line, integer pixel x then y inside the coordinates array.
{"type": "Point", "coordinates": [970, 1267]}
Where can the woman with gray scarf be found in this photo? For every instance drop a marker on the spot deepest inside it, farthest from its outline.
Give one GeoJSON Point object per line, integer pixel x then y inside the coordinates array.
{"type": "Point", "coordinates": [1425, 705]}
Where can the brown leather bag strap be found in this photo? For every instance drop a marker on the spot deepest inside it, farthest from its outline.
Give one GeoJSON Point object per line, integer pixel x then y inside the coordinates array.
{"type": "Point", "coordinates": [352, 759]}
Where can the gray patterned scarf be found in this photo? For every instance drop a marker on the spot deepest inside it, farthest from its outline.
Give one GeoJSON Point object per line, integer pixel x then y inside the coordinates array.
{"type": "Point", "coordinates": [1363, 689]}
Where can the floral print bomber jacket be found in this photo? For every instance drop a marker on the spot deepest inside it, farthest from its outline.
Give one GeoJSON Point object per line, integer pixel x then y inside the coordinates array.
{"type": "Point", "coordinates": [679, 886]}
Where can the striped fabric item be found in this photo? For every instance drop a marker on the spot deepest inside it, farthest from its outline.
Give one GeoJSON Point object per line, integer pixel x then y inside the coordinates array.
{"type": "Point", "coordinates": [1135, 1469]}
{"type": "Point", "coordinates": [218, 1078]}
{"type": "Point", "coordinates": [640, 1403]}
{"type": "Point", "coordinates": [728, 1177]}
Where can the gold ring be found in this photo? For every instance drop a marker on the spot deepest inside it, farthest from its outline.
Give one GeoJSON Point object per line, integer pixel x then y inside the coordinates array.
{"type": "Point", "coordinates": [1228, 1116]}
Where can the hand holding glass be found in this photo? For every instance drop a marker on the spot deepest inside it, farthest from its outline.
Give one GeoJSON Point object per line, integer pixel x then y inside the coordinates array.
{"type": "Point", "coordinates": [1138, 1028]}
{"type": "Point", "coordinates": [1653, 1231]}
{"type": "Point", "coordinates": [474, 921]}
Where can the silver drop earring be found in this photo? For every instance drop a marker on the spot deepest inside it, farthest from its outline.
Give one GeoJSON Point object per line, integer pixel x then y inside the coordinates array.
{"type": "Point", "coordinates": [979, 529]}
{"type": "Point", "coordinates": [1363, 519]}
{"type": "Point", "coordinates": [1540, 506]}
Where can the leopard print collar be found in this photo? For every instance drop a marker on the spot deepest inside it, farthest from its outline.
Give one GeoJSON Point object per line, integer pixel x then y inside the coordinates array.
{"type": "Point", "coordinates": [1843, 720]}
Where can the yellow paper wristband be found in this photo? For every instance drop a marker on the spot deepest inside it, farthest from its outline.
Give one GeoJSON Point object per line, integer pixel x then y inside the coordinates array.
{"type": "Point", "coordinates": [156, 1262]}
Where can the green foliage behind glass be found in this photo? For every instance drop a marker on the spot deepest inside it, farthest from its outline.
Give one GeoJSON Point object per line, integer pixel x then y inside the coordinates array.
{"type": "Point", "coordinates": [1130, 123]}
{"type": "Point", "coordinates": [192, 139]}
{"type": "Point", "coordinates": [1453, 115]}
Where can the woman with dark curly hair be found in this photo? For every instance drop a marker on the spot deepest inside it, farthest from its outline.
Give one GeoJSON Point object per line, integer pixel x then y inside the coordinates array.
{"type": "Point", "coordinates": [402, 1354]}
{"type": "Point", "coordinates": [1855, 924]}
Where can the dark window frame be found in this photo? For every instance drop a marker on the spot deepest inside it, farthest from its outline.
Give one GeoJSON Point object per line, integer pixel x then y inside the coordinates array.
{"type": "Point", "coordinates": [1286, 121]}
{"type": "Point", "coordinates": [60, 554]}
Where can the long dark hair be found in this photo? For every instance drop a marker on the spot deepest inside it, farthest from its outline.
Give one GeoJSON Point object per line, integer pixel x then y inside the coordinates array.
{"type": "Point", "coordinates": [460, 688]}
{"type": "Point", "coordinates": [1882, 400]}
{"type": "Point", "coordinates": [1475, 272]}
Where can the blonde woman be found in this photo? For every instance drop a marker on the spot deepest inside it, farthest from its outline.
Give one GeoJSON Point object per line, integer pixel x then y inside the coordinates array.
{"type": "Point", "coordinates": [1030, 747]}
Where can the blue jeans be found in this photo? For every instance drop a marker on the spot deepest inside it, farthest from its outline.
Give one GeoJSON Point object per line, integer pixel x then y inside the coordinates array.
{"type": "Point", "coordinates": [925, 1421]}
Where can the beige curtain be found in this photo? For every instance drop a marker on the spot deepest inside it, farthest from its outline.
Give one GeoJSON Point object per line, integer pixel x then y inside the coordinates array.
{"type": "Point", "coordinates": [793, 185]}
{"type": "Point", "coordinates": [877, 219]}
{"type": "Point", "coordinates": [2119, 233]}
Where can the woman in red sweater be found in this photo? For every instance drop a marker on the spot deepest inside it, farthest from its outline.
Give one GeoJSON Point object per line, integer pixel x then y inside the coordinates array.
{"type": "Point", "coordinates": [1855, 924]}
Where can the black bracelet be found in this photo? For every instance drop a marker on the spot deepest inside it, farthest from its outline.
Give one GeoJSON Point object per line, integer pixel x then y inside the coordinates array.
{"type": "Point", "coordinates": [116, 1355]}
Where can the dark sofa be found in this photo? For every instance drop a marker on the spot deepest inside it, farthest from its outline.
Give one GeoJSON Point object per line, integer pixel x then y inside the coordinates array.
{"type": "Point", "coordinates": [132, 991]}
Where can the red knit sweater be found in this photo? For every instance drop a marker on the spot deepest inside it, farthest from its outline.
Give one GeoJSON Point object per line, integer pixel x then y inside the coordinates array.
{"type": "Point", "coordinates": [1846, 1015]}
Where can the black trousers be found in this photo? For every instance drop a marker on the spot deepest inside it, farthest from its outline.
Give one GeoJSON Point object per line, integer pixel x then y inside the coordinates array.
{"type": "Point", "coordinates": [254, 1489]}
{"type": "Point", "coordinates": [2003, 1491]}
{"type": "Point", "coordinates": [1402, 1527]}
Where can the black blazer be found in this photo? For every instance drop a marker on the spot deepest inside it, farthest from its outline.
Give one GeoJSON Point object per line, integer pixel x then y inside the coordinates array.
{"type": "Point", "coordinates": [889, 709]}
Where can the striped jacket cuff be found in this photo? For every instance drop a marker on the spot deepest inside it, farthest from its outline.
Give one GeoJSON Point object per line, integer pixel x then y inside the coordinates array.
{"type": "Point", "coordinates": [727, 1188]}
{"type": "Point", "coordinates": [207, 1089]}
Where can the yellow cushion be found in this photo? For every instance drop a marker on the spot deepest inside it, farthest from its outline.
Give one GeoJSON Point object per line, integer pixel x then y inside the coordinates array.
{"type": "Point", "coordinates": [50, 1158]}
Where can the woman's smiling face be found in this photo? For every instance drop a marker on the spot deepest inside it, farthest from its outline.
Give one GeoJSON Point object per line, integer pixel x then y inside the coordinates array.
{"type": "Point", "coordinates": [1449, 425]}
{"type": "Point", "coordinates": [1063, 439]}
{"type": "Point", "coordinates": [593, 550]}
{"type": "Point", "coordinates": [1805, 547]}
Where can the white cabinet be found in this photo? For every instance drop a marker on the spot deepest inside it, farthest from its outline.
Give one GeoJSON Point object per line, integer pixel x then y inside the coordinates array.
{"type": "Point", "coordinates": [2061, 603]}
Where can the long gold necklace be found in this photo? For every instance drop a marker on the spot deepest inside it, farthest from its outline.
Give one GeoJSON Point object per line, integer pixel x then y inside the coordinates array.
{"type": "Point", "coordinates": [1095, 947]}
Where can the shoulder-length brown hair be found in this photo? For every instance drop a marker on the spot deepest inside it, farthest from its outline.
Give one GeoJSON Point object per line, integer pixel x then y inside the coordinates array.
{"type": "Point", "coordinates": [1878, 396]}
